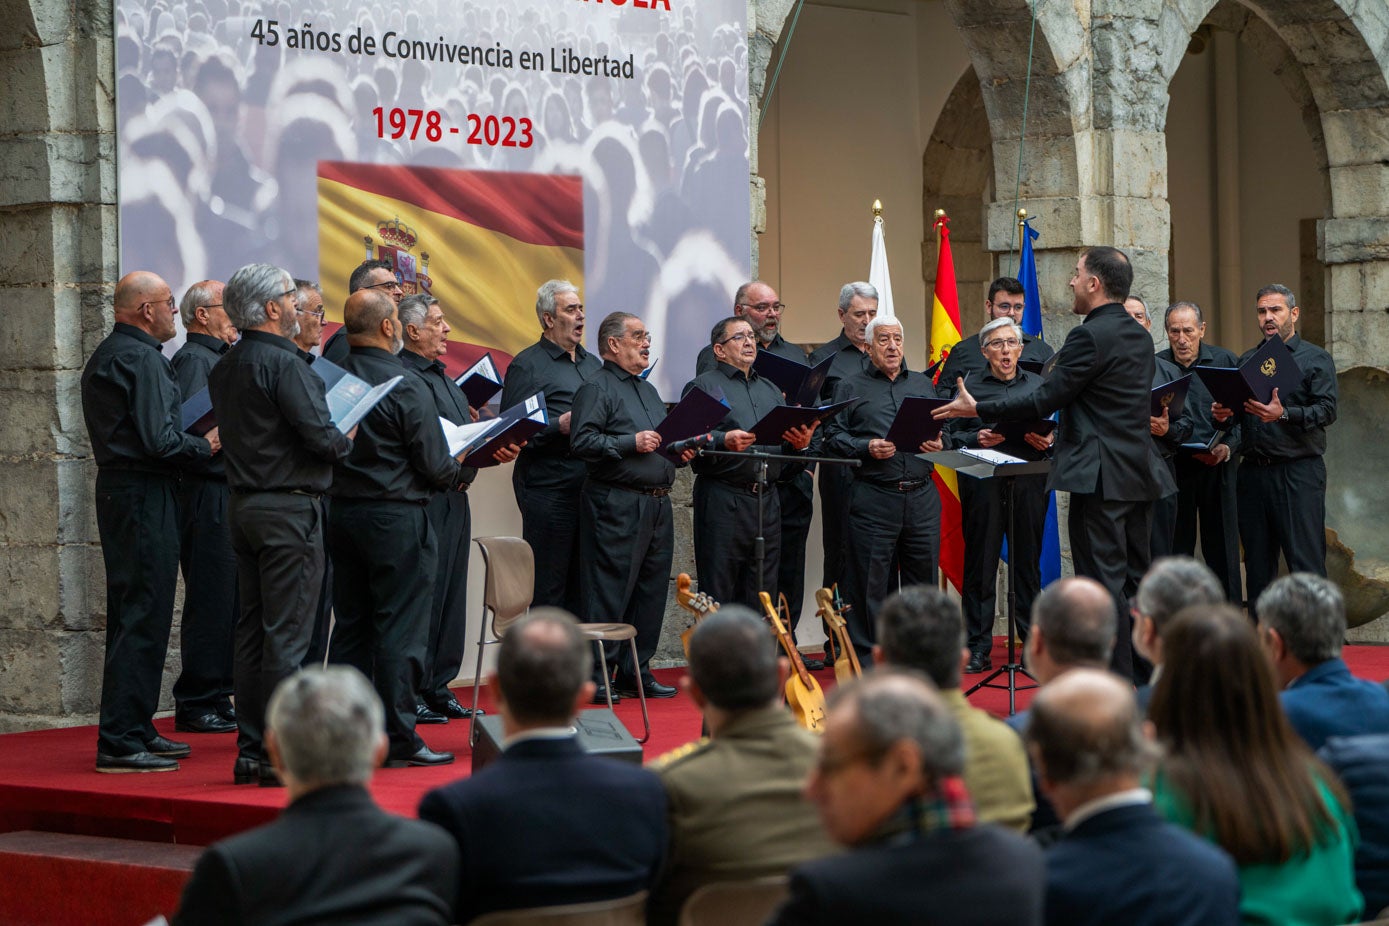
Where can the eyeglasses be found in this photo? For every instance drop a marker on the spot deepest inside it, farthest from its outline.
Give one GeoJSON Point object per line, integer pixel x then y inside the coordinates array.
{"type": "Point", "coordinates": [317, 314]}
{"type": "Point", "coordinates": [641, 337]}
{"type": "Point", "coordinates": [740, 336]}
{"type": "Point", "coordinates": [211, 305]}
{"type": "Point", "coordinates": [1009, 306]}
{"type": "Point", "coordinates": [765, 306]}
{"type": "Point", "coordinates": [390, 284]}
{"type": "Point", "coordinates": [1000, 343]}
{"type": "Point", "coordinates": [160, 302]}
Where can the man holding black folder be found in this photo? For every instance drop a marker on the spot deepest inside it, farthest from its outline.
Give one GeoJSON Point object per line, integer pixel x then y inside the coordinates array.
{"type": "Point", "coordinates": [893, 507]}
{"type": "Point", "coordinates": [202, 694]}
{"type": "Point", "coordinates": [726, 514]}
{"type": "Point", "coordinates": [1205, 473]}
{"type": "Point", "coordinates": [280, 448]}
{"type": "Point", "coordinates": [1102, 383]}
{"type": "Point", "coordinates": [626, 533]}
{"type": "Point", "coordinates": [1282, 476]}
{"type": "Point", "coordinates": [383, 547]}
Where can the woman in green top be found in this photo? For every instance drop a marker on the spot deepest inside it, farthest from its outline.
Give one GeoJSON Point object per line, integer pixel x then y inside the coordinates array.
{"type": "Point", "coordinates": [1234, 771]}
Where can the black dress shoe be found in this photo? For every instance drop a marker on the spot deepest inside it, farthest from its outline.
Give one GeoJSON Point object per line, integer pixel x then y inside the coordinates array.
{"type": "Point", "coordinates": [424, 756]}
{"type": "Point", "coordinates": [452, 709]}
{"type": "Point", "coordinates": [813, 665]}
{"type": "Point", "coordinates": [267, 777]}
{"type": "Point", "coordinates": [424, 715]}
{"type": "Point", "coordinates": [599, 697]}
{"type": "Point", "coordinates": [211, 722]}
{"type": "Point", "coordinates": [169, 749]}
{"type": "Point", "coordinates": [135, 762]}
{"type": "Point", "coordinates": [227, 713]}
{"type": "Point", "coordinates": [653, 688]}
{"type": "Point", "coordinates": [245, 771]}
{"type": "Point", "coordinates": [978, 662]}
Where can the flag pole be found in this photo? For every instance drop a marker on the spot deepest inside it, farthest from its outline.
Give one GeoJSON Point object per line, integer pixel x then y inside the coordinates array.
{"type": "Point", "coordinates": [1022, 224]}
{"type": "Point", "coordinates": [941, 581]}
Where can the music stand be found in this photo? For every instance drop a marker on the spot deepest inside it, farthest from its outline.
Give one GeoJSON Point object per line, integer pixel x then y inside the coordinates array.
{"type": "Point", "coordinates": [1008, 472]}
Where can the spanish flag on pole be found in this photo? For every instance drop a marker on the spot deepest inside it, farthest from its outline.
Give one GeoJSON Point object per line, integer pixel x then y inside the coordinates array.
{"type": "Point", "coordinates": [945, 334]}
{"type": "Point", "coordinates": [480, 242]}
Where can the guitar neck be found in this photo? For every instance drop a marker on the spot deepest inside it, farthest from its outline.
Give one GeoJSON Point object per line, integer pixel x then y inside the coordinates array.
{"type": "Point", "coordinates": [784, 639]}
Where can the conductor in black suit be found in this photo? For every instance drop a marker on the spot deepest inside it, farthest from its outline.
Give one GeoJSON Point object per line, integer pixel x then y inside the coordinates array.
{"type": "Point", "coordinates": [888, 785]}
{"type": "Point", "coordinates": [1102, 384]}
{"type": "Point", "coordinates": [333, 856]}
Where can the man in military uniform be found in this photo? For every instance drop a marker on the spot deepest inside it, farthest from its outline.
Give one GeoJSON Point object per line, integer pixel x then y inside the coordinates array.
{"type": "Point", "coordinates": [734, 801]}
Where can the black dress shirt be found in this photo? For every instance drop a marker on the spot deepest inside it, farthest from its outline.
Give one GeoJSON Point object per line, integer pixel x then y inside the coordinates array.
{"type": "Point", "coordinates": [1311, 408]}
{"type": "Point", "coordinates": [848, 433]}
{"type": "Point", "coordinates": [706, 360]}
{"type": "Point", "coordinates": [967, 357]}
{"type": "Point", "coordinates": [400, 453]}
{"type": "Point", "coordinates": [1198, 397]}
{"type": "Point", "coordinates": [848, 360]}
{"type": "Point", "coordinates": [608, 412]}
{"type": "Point", "coordinates": [964, 432]}
{"type": "Point", "coordinates": [449, 400]}
{"type": "Point", "coordinates": [131, 403]}
{"type": "Point", "coordinates": [1178, 429]}
{"type": "Point", "coordinates": [192, 362]}
{"type": "Point", "coordinates": [545, 461]}
{"type": "Point", "coordinates": [277, 435]}
{"type": "Point", "coordinates": [749, 399]}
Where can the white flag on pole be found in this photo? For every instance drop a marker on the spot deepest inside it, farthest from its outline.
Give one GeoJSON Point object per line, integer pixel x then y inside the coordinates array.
{"type": "Point", "coordinates": [877, 271]}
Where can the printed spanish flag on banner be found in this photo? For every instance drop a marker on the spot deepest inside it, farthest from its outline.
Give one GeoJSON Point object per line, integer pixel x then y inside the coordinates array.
{"type": "Point", "coordinates": [945, 334]}
{"type": "Point", "coordinates": [480, 242]}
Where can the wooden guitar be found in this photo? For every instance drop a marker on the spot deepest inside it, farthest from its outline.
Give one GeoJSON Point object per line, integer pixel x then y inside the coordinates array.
{"type": "Point", "coordinates": [803, 694]}
{"type": "Point", "coordinates": [846, 664]}
{"type": "Point", "coordinates": [697, 603]}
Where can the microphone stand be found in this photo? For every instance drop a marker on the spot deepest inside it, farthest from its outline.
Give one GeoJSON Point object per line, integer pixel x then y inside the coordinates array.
{"type": "Point", "coordinates": [763, 460]}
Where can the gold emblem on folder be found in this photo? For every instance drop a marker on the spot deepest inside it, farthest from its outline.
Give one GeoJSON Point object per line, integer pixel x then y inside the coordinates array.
{"type": "Point", "coordinates": [1166, 399]}
{"type": "Point", "coordinates": [1268, 367]}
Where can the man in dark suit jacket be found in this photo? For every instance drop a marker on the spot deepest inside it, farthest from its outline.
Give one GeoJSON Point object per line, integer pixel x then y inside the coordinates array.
{"type": "Point", "coordinates": [545, 823]}
{"type": "Point", "coordinates": [1118, 862]}
{"type": "Point", "coordinates": [333, 856]}
{"type": "Point", "coordinates": [1102, 382]}
{"type": "Point", "coordinates": [888, 785]}
{"type": "Point", "coordinates": [1302, 622]}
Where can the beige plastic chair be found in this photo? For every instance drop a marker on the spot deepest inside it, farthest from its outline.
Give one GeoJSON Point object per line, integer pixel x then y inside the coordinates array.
{"type": "Point", "coordinates": [625, 911]}
{"type": "Point", "coordinates": [734, 903]}
{"type": "Point", "coordinates": [509, 584]}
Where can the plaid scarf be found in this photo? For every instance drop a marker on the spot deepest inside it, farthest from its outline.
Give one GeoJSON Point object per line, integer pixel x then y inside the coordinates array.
{"type": "Point", "coordinates": [949, 807]}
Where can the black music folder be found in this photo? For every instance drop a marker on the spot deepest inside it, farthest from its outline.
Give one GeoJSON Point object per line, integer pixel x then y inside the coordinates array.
{"type": "Point", "coordinates": [696, 414]}
{"type": "Point", "coordinates": [1032, 366]}
{"type": "Point", "coordinates": [784, 417]}
{"type": "Point", "coordinates": [481, 381]}
{"type": "Point", "coordinates": [799, 382]}
{"type": "Point", "coordinates": [914, 425]}
{"type": "Point", "coordinates": [1270, 367]}
{"type": "Point", "coordinates": [198, 417]}
{"type": "Point", "coordinates": [1014, 432]}
{"type": "Point", "coordinates": [1171, 396]}
{"type": "Point", "coordinates": [349, 397]}
{"type": "Point", "coordinates": [476, 443]}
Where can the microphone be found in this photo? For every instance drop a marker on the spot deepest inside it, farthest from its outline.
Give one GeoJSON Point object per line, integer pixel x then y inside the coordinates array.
{"type": "Point", "coordinates": [698, 442]}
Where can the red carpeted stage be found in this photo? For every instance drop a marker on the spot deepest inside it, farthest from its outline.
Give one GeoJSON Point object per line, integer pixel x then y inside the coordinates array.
{"type": "Point", "coordinates": [48, 786]}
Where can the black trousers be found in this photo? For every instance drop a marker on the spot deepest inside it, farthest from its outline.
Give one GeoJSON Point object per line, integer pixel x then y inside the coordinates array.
{"type": "Point", "coordinates": [278, 539]}
{"type": "Point", "coordinates": [1109, 543]}
{"type": "Point", "coordinates": [550, 524]}
{"type": "Point", "coordinates": [1162, 533]}
{"type": "Point", "coordinates": [1206, 502]}
{"type": "Point", "coordinates": [836, 485]}
{"type": "Point", "coordinates": [137, 521]}
{"type": "Point", "coordinates": [452, 521]}
{"type": "Point", "coordinates": [984, 528]}
{"type": "Point", "coordinates": [384, 556]}
{"type": "Point", "coordinates": [627, 542]}
{"type": "Point", "coordinates": [725, 531]}
{"type": "Point", "coordinates": [210, 601]}
{"type": "Point", "coordinates": [1282, 509]}
{"type": "Point", "coordinates": [797, 498]}
{"type": "Point", "coordinates": [323, 614]}
{"type": "Point", "coordinates": [884, 524]}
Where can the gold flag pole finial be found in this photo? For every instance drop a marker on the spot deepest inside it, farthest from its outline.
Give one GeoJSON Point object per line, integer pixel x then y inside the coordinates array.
{"type": "Point", "coordinates": [877, 208]}
{"type": "Point", "coordinates": [1022, 216]}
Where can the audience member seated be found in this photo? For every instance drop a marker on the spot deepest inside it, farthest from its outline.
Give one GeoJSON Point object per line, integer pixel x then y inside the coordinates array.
{"type": "Point", "coordinates": [546, 823]}
{"type": "Point", "coordinates": [1234, 771]}
{"type": "Point", "coordinates": [333, 856]}
{"type": "Point", "coordinates": [1118, 861]}
{"type": "Point", "coordinates": [1172, 583]}
{"type": "Point", "coordinates": [888, 786]}
{"type": "Point", "coordinates": [1073, 627]}
{"type": "Point", "coordinates": [735, 801]}
{"type": "Point", "coordinates": [1302, 621]}
{"type": "Point", "coordinates": [922, 628]}
{"type": "Point", "coordinates": [1362, 764]}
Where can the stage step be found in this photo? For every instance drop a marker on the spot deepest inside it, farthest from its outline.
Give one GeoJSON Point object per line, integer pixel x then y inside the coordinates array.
{"type": "Point", "coordinates": [51, 878]}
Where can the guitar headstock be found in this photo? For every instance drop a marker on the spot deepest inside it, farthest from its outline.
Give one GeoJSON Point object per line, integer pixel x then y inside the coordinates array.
{"type": "Point", "coordinates": [697, 603]}
{"type": "Point", "coordinates": [825, 599]}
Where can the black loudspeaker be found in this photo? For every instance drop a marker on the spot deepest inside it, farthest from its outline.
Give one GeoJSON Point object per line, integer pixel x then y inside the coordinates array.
{"type": "Point", "coordinates": [600, 733]}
